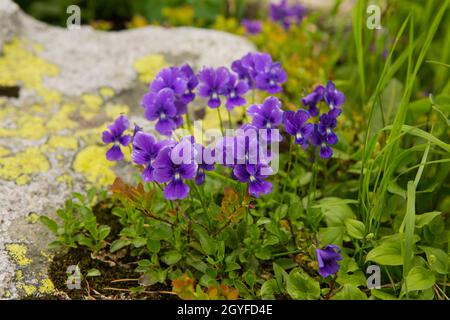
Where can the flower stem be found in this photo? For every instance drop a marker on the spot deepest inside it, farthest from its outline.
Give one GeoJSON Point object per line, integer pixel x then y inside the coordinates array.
{"type": "Point", "coordinates": [229, 119]}
{"type": "Point", "coordinates": [220, 120]}
{"type": "Point", "coordinates": [188, 121]}
{"type": "Point", "coordinates": [291, 146]}
{"type": "Point", "coordinates": [313, 183]}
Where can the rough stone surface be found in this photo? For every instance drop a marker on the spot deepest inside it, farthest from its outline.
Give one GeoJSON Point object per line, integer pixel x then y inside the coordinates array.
{"type": "Point", "coordinates": [72, 83]}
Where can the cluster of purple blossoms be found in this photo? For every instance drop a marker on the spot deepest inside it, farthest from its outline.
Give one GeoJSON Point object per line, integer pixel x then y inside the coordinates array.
{"type": "Point", "coordinates": [318, 134]}
{"type": "Point", "coordinates": [260, 72]}
{"type": "Point", "coordinates": [169, 95]}
{"type": "Point", "coordinates": [286, 14]}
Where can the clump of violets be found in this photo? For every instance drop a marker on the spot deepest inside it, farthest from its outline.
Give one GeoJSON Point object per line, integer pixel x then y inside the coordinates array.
{"type": "Point", "coordinates": [260, 72]}
{"type": "Point", "coordinates": [169, 95]}
{"type": "Point", "coordinates": [310, 127]}
{"type": "Point", "coordinates": [327, 259]}
{"type": "Point", "coordinates": [116, 136]}
{"type": "Point", "coordinates": [246, 155]}
{"type": "Point", "coordinates": [287, 15]}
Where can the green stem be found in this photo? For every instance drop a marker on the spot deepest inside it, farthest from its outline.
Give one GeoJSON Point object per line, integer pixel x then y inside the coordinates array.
{"type": "Point", "coordinates": [291, 146]}
{"type": "Point", "coordinates": [312, 184]}
{"type": "Point", "coordinates": [188, 121]}
{"type": "Point", "coordinates": [220, 120]}
{"type": "Point", "coordinates": [229, 119]}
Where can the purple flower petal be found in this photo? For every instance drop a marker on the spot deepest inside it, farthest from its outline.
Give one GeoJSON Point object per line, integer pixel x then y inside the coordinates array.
{"type": "Point", "coordinates": [176, 189]}
{"type": "Point", "coordinates": [114, 154]}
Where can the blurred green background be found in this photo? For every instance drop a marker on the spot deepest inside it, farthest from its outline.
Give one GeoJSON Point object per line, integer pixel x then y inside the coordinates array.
{"type": "Point", "coordinates": [120, 14]}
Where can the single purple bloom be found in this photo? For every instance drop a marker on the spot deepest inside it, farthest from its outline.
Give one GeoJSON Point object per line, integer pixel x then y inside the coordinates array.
{"type": "Point", "coordinates": [160, 106]}
{"type": "Point", "coordinates": [297, 12]}
{"type": "Point", "coordinates": [145, 150]}
{"type": "Point", "coordinates": [312, 99]}
{"type": "Point", "coordinates": [328, 258]}
{"type": "Point", "coordinates": [321, 141]}
{"type": "Point", "coordinates": [165, 170]}
{"type": "Point", "coordinates": [295, 125]}
{"type": "Point", "coordinates": [267, 115]}
{"type": "Point", "coordinates": [325, 127]}
{"type": "Point", "coordinates": [255, 175]}
{"type": "Point", "coordinates": [334, 99]}
{"type": "Point", "coordinates": [269, 75]}
{"type": "Point", "coordinates": [286, 15]}
{"type": "Point", "coordinates": [234, 92]}
{"type": "Point", "coordinates": [213, 83]}
{"type": "Point", "coordinates": [252, 27]}
{"type": "Point", "coordinates": [245, 69]}
{"type": "Point", "coordinates": [204, 162]}
{"type": "Point", "coordinates": [192, 82]}
{"type": "Point", "coordinates": [116, 136]}
{"type": "Point", "coordinates": [170, 78]}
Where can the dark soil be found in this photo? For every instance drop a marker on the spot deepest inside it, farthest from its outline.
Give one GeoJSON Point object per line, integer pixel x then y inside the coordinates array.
{"type": "Point", "coordinates": [112, 268]}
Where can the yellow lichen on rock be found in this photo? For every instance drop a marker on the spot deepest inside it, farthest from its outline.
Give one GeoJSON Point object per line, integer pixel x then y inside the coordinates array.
{"type": "Point", "coordinates": [62, 142]}
{"type": "Point", "coordinates": [106, 92]}
{"type": "Point", "coordinates": [115, 110]}
{"type": "Point", "coordinates": [27, 127]}
{"type": "Point", "coordinates": [46, 286]}
{"type": "Point", "coordinates": [20, 64]}
{"type": "Point", "coordinates": [61, 120]}
{"type": "Point", "coordinates": [29, 289]}
{"type": "Point", "coordinates": [4, 151]}
{"type": "Point", "coordinates": [148, 66]}
{"type": "Point", "coordinates": [18, 252]}
{"type": "Point", "coordinates": [29, 161]}
{"type": "Point", "coordinates": [90, 106]}
{"type": "Point", "coordinates": [91, 162]}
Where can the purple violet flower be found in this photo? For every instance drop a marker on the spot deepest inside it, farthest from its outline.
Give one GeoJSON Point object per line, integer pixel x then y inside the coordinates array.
{"type": "Point", "coordinates": [321, 141]}
{"type": "Point", "coordinates": [145, 150]}
{"type": "Point", "coordinates": [267, 115]}
{"type": "Point", "coordinates": [234, 92]}
{"type": "Point", "coordinates": [192, 82]}
{"type": "Point", "coordinates": [165, 169]}
{"type": "Point", "coordinates": [253, 174]}
{"type": "Point", "coordinates": [270, 75]}
{"type": "Point", "coordinates": [296, 126]}
{"type": "Point", "coordinates": [116, 136]}
{"type": "Point", "coordinates": [334, 99]}
{"type": "Point", "coordinates": [325, 128]}
{"type": "Point", "coordinates": [286, 15]}
{"type": "Point", "coordinates": [203, 162]}
{"type": "Point", "coordinates": [312, 99]}
{"type": "Point", "coordinates": [160, 106]}
{"type": "Point", "coordinates": [328, 258]}
{"type": "Point", "coordinates": [170, 78]}
{"type": "Point", "coordinates": [213, 83]}
{"type": "Point", "coordinates": [252, 27]}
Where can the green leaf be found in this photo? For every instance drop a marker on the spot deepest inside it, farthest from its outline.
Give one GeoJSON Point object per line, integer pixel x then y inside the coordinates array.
{"type": "Point", "coordinates": [171, 257]}
{"type": "Point", "coordinates": [425, 218]}
{"type": "Point", "coordinates": [332, 235]}
{"type": "Point", "coordinates": [335, 211]}
{"type": "Point", "coordinates": [388, 253]}
{"type": "Point", "coordinates": [269, 289]}
{"type": "Point", "coordinates": [418, 278]}
{"type": "Point", "coordinates": [438, 259]}
{"type": "Point", "coordinates": [49, 223]}
{"type": "Point", "coordinates": [103, 232]}
{"type": "Point", "coordinates": [264, 253]}
{"type": "Point", "coordinates": [382, 295]}
{"type": "Point", "coordinates": [355, 228]}
{"type": "Point", "coordinates": [350, 292]}
{"type": "Point", "coordinates": [301, 286]}
{"type": "Point", "coordinates": [119, 244]}
{"type": "Point", "coordinates": [93, 273]}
